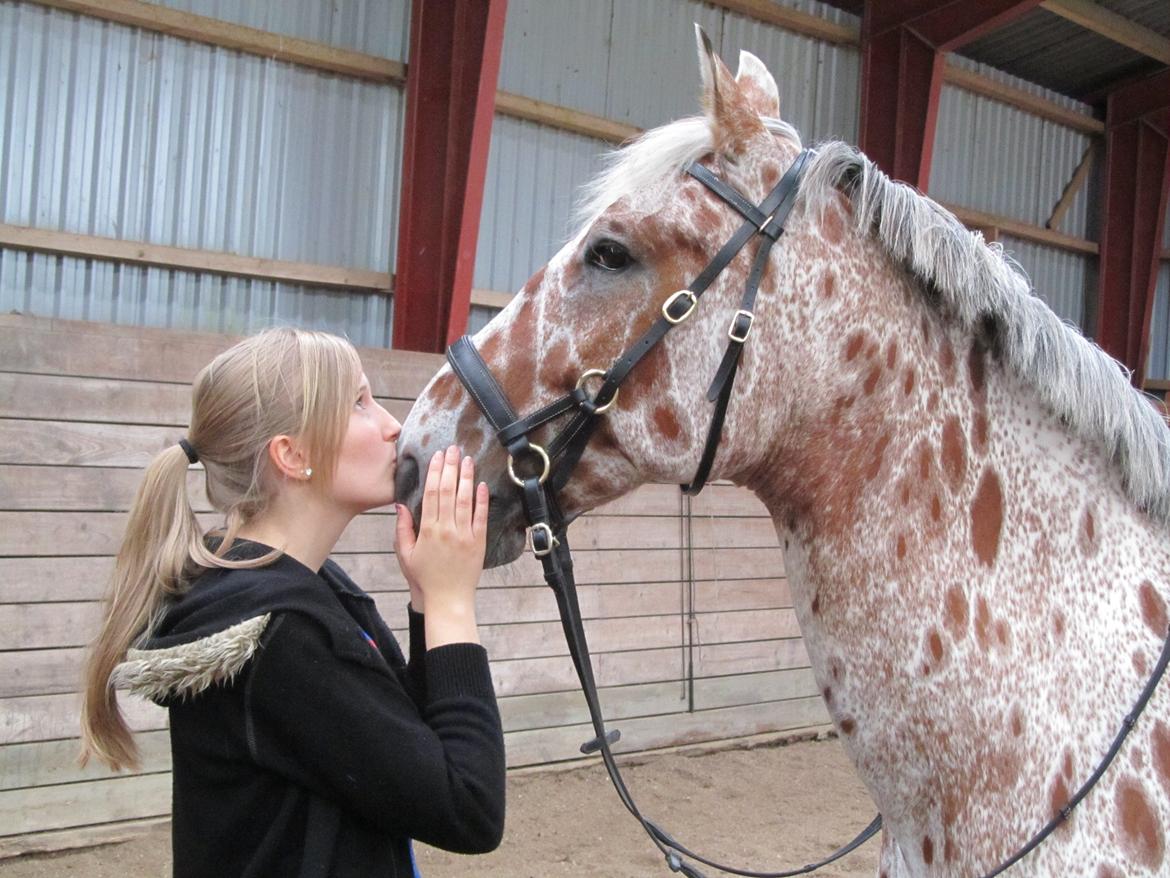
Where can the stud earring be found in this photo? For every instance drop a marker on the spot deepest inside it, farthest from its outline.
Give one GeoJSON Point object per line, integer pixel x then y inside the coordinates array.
{"type": "Point", "coordinates": [309, 472]}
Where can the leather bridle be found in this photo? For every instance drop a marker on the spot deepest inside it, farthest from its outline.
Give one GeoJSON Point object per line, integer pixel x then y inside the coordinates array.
{"type": "Point", "coordinates": [547, 530]}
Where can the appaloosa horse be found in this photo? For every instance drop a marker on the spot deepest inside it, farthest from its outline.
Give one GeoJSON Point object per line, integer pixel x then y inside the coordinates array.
{"type": "Point", "coordinates": [972, 501]}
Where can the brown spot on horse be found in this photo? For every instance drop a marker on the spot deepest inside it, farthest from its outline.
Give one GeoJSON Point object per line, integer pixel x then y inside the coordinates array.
{"type": "Point", "coordinates": [908, 382]}
{"type": "Point", "coordinates": [872, 379]}
{"type": "Point", "coordinates": [1160, 741]}
{"type": "Point", "coordinates": [954, 452]}
{"type": "Point", "coordinates": [936, 645]}
{"type": "Point", "coordinates": [666, 423]}
{"type": "Point", "coordinates": [1139, 830]}
{"type": "Point", "coordinates": [957, 609]}
{"type": "Point", "coordinates": [854, 345]}
{"type": "Point", "coordinates": [927, 850]}
{"type": "Point", "coordinates": [1153, 609]}
{"type": "Point", "coordinates": [987, 517]}
{"type": "Point", "coordinates": [982, 623]}
{"type": "Point", "coordinates": [828, 284]}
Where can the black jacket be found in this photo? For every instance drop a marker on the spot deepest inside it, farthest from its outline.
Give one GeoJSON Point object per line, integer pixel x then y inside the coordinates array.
{"type": "Point", "coordinates": [302, 742]}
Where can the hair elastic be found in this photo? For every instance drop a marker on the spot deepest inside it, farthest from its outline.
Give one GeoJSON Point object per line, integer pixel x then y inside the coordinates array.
{"type": "Point", "coordinates": [189, 450]}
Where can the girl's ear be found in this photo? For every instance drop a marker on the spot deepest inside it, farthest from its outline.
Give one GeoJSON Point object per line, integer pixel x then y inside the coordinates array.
{"type": "Point", "coordinates": [288, 458]}
{"type": "Point", "coordinates": [734, 121]}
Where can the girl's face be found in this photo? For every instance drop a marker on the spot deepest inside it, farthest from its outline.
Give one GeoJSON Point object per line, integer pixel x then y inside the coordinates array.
{"type": "Point", "coordinates": [365, 467]}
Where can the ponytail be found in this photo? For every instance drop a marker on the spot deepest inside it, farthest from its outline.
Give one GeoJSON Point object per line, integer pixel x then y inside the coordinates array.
{"type": "Point", "coordinates": [154, 560]}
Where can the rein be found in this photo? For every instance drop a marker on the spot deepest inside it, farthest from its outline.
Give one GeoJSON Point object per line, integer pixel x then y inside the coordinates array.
{"type": "Point", "coordinates": [547, 531]}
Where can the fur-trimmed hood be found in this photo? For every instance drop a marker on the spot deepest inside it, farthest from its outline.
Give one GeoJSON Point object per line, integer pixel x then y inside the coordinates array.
{"type": "Point", "coordinates": [207, 636]}
{"type": "Point", "coordinates": [189, 668]}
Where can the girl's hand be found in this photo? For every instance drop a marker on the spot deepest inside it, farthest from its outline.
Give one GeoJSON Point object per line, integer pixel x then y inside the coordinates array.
{"type": "Point", "coordinates": [444, 562]}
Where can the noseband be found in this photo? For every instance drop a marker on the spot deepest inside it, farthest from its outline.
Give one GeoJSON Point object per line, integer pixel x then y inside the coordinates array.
{"type": "Point", "coordinates": [553, 466]}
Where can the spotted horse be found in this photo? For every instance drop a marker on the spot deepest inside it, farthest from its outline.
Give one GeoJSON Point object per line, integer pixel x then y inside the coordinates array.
{"type": "Point", "coordinates": [972, 500]}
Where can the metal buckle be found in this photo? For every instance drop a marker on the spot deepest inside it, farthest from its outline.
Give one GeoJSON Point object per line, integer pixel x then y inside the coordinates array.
{"type": "Point", "coordinates": [666, 307]}
{"type": "Point", "coordinates": [590, 373]}
{"type": "Point", "coordinates": [742, 338]}
{"type": "Point", "coordinates": [553, 542]}
{"type": "Point", "coordinates": [541, 453]}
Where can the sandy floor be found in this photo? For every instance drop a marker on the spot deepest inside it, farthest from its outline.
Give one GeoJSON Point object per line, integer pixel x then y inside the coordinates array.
{"type": "Point", "coordinates": [764, 808]}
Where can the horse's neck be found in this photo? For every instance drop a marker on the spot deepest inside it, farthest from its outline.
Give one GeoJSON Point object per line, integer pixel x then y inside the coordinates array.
{"type": "Point", "coordinates": [974, 588]}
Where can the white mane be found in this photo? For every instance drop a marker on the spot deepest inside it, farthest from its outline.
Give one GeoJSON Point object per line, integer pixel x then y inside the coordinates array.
{"type": "Point", "coordinates": [973, 283]}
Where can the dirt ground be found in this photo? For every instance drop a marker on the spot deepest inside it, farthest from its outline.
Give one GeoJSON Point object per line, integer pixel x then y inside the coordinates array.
{"type": "Point", "coordinates": [763, 807]}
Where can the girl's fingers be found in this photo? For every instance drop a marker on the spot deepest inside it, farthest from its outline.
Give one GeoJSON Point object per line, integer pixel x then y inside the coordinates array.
{"type": "Point", "coordinates": [464, 498]}
{"type": "Point", "coordinates": [479, 521]}
{"type": "Point", "coordinates": [430, 504]}
{"type": "Point", "coordinates": [448, 482]}
{"type": "Point", "coordinates": [404, 531]}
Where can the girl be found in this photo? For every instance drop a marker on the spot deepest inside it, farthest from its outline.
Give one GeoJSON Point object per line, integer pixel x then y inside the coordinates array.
{"type": "Point", "coordinates": [302, 742]}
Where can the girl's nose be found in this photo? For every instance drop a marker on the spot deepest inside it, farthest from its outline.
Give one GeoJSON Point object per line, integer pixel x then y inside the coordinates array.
{"type": "Point", "coordinates": [392, 428]}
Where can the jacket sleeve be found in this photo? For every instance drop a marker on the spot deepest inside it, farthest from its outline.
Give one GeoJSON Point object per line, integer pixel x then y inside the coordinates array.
{"type": "Point", "coordinates": [416, 671]}
{"type": "Point", "coordinates": [353, 734]}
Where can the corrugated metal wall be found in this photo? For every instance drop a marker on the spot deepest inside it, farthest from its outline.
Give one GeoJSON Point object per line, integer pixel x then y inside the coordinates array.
{"type": "Point", "coordinates": [1159, 363]}
{"type": "Point", "coordinates": [633, 63]}
{"type": "Point", "coordinates": [998, 159]}
{"type": "Point", "coordinates": [123, 133]}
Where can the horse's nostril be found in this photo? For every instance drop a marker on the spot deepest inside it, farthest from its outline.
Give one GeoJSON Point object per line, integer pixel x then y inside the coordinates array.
{"type": "Point", "coordinates": [406, 479]}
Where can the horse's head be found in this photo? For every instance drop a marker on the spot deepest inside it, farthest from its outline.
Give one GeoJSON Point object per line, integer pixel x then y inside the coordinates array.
{"type": "Point", "coordinates": [651, 229]}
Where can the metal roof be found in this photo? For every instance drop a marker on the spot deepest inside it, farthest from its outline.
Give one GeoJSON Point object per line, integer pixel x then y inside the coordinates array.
{"type": "Point", "coordinates": [1049, 50]}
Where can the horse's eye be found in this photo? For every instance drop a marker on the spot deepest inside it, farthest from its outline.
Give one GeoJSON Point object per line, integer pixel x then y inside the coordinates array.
{"type": "Point", "coordinates": [609, 255]}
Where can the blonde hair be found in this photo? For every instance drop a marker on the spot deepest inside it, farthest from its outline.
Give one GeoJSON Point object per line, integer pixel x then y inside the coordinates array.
{"type": "Point", "coordinates": [277, 382]}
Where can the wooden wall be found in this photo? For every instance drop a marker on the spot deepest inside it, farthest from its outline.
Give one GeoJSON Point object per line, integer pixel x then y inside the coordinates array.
{"type": "Point", "coordinates": [83, 406]}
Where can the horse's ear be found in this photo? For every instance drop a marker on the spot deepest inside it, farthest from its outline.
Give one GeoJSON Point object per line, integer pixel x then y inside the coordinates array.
{"type": "Point", "coordinates": [734, 121]}
{"type": "Point", "coordinates": [757, 85]}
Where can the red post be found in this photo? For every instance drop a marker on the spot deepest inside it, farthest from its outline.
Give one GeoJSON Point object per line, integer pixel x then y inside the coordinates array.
{"type": "Point", "coordinates": [1137, 185]}
{"type": "Point", "coordinates": [455, 50]}
{"type": "Point", "coordinates": [903, 46]}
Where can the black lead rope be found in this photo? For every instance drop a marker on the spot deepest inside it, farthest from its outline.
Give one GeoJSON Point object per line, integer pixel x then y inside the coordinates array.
{"type": "Point", "coordinates": [547, 526]}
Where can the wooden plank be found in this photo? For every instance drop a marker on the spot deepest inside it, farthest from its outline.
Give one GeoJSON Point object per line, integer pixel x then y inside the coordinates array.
{"type": "Point", "coordinates": [1024, 231]}
{"type": "Point", "coordinates": [105, 350]}
{"type": "Point", "coordinates": [540, 746]}
{"type": "Point", "coordinates": [55, 717]}
{"type": "Point", "coordinates": [801, 23]}
{"type": "Point", "coordinates": [99, 533]}
{"type": "Point", "coordinates": [1074, 186]}
{"type": "Point", "coordinates": [41, 672]}
{"type": "Point", "coordinates": [563, 118]}
{"type": "Point", "coordinates": [189, 259]}
{"type": "Point", "coordinates": [79, 804]}
{"type": "Point", "coordinates": [78, 837]}
{"type": "Point", "coordinates": [977, 83]}
{"type": "Point", "coordinates": [547, 710]}
{"type": "Point", "coordinates": [213, 31]}
{"type": "Point", "coordinates": [556, 673]}
{"type": "Point", "coordinates": [1118, 28]}
{"type": "Point", "coordinates": [38, 626]}
{"type": "Point", "coordinates": [111, 401]}
{"type": "Point", "coordinates": [84, 577]}
{"type": "Point", "coordinates": [55, 762]}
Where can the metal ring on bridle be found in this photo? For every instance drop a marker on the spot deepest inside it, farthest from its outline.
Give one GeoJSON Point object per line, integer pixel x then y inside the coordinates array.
{"type": "Point", "coordinates": [600, 373]}
{"type": "Point", "coordinates": [542, 454]}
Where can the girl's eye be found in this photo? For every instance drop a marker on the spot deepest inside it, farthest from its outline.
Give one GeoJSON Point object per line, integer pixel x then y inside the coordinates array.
{"type": "Point", "coordinates": [360, 402]}
{"type": "Point", "coordinates": [608, 255]}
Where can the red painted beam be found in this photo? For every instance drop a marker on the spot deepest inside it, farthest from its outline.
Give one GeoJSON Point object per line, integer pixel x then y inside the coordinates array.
{"type": "Point", "coordinates": [903, 46]}
{"type": "Point", "coordinates": [455, 50]}
{"type": "Point", "coordinates": [1137, 188]}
